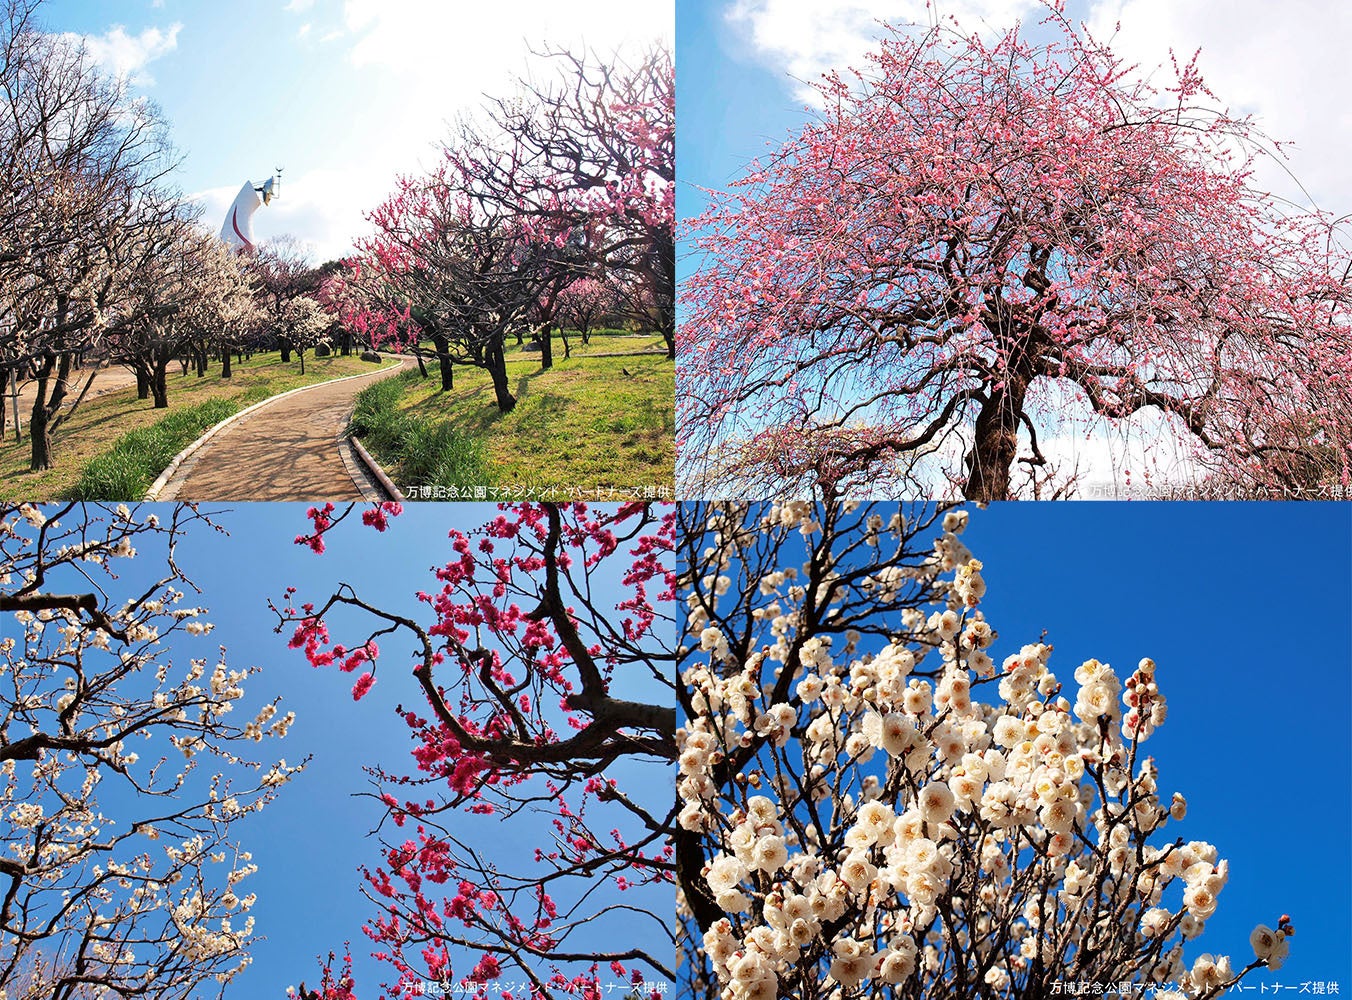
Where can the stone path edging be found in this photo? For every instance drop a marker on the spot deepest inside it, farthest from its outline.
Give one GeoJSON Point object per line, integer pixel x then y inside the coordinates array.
{"type": "Point", "coordinates": [376, 472]}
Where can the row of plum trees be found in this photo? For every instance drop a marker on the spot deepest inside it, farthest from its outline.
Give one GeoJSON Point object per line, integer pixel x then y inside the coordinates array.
{"type": "Point", "coordinates": [553, 209]}
{"type": "Point", "coordinates": [99, 256]}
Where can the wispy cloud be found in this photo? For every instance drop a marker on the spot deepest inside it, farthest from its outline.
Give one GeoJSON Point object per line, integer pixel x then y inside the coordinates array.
{"type": "Point", "coordinates": [807, 38]}
{"type": "Point", "coordinates": [1293, 76]}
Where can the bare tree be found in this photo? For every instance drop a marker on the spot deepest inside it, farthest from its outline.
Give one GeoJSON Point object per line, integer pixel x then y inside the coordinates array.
{"type": "Point", "coordinates": [78, 160]}
{"type": "Point", "coordinates": [591, 153]}
{"type": "Point", "coordinates": [282, 272]}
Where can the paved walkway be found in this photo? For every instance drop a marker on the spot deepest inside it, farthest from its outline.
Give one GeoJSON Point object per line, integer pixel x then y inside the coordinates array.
{"type": "Point", "coordinates": [287, 450]}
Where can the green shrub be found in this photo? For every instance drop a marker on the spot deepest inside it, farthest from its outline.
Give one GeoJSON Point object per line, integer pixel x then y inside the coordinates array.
{"type": "Point", "coordinates": [425, 453]}
{"type": "Point", "coordinates": [127, 470]}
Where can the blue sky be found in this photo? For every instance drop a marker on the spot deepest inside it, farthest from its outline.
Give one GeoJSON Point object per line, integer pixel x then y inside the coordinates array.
{"type": "Point", "coordinates": [1244, 608]}
{"type": "Point", "coordinates": [310, 843]}
{"type": "Point", "coordinates": [344, 95]}
{"type": "Point", "coordinates": [742, 88]}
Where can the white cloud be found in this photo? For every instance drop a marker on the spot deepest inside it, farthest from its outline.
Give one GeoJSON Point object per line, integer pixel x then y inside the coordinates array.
{"type": "Point", "coordinates": [297, 6]}
{"type": "Point", "coordinates": [807, 38]}
{"type": "Point", "coordinates": [303, 30]}
{"type": "Point", "coordinates": [321, 208]}
{"type": "Point", "coordinates": [126, 56]}
{"type": "Point", "coordinates": [1292, 73]}
{"type": "Point", "coordinates": [473, 49]}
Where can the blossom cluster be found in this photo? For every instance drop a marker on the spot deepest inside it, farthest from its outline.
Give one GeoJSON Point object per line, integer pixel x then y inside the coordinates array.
{"type": "Point", "coordinates": [96, 695]}
{"type": "Point", "coordinates": [539, 620]}
{"type": "Point", "coordinates": [879, 803]}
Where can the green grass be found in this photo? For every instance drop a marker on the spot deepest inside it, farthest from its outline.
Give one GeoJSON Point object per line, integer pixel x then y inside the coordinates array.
{"type": "Point", "coordinates": [589, 423]}
{"type": "Point", "coordinates": [101, 421]}
{"type": "Point", "coordinates": [424, 452]}
{"type": "Point", "coordinates": [129, 468]}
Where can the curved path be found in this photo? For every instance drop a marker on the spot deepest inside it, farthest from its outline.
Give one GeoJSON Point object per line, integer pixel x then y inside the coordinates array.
{"type": "Point", "coordinates": [292, 449]}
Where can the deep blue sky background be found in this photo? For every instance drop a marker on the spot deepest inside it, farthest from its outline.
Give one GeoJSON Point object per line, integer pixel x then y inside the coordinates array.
{"type": "Point", "coordinates": [1245, 609]}
{"type": "Point", "coordinates": [310, 843]}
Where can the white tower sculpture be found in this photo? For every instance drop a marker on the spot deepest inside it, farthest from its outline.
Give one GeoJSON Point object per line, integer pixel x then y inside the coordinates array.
{"type": "Point", "coordinates": [237, 232]}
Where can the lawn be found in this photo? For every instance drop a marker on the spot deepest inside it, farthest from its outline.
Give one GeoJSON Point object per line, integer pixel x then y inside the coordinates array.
{"type": "Point", "coordinates": [102, 421]}
{"type": "Point", "coordinates": [592, 422]}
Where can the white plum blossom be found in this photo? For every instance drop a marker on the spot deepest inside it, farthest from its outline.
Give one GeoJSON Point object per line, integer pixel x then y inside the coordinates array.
{"type": "Point", "coordinates": [143, 898]}
{"type": "Point", "coordinates": [883, 806]}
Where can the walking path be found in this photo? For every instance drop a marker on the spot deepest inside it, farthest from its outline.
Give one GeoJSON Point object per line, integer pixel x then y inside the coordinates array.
{"type": "Point", "coordinates": [291, 449]}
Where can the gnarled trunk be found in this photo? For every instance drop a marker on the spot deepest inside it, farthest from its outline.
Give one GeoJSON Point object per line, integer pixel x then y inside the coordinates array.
{"type": "Point", "coordinates": [546, 347]}
{"type": "Point", "coordinates": [54, 375]}
{"type": "Point", "coordinates": [996, 442]}
{"type": "Point", "coordinates": [443, 347]}
{"type": "Point", "coordinates": [496, 362]}
{"type": "Point", "coordinates": [159, 386]}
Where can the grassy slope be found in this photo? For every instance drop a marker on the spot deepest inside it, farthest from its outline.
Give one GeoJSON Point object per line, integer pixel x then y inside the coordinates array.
{"type": "Point", "coordinates": [581, 425]}
{"type": "Point", "coordinates": [100, 422]}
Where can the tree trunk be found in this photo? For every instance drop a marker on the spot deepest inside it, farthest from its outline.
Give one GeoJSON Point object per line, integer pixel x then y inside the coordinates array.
{"type": "Point", "coordinates": [422, 368]}
{"type": "Point", "coordinates": [546, 347]}
{"type": "Point", "coordinates": [44, 407]}
{"type": "Point", "coordinates": [159, 386]}
{"type": "Point", "coordinates": [301, 355]}
{"type": "Point", "coordinates": [286, 351]}
{"type": "Point", "coordinates": [497, 368]}
{"type": "Point", "coordinates": [142, 385]}
{"type": "Point", "coordinates": [443, 347]}
{"type": "Point", "coordinates": [225, 364]}
{"type": "Point", "coordinates": [996, 442]}
{"type": "Point", "coordinates": [40, 455]}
